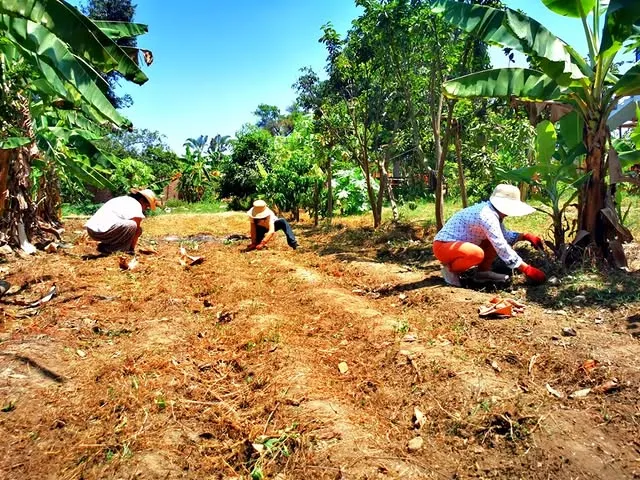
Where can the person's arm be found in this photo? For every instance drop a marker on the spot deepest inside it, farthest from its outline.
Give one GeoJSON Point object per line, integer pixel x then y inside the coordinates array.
{"type": "Point", "coordinates": [269, 235]}
{"type": "Point", "coordinates": [499, 238]}
{"type": "Point", "coordinates": [252, 233]}
{"type": "Point", "coordinates": [134, 242]}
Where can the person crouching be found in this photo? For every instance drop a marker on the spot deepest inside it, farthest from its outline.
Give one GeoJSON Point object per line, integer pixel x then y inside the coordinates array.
{"type": "Point", "coordinates": [475, 235]}
{"type": "Point", "coordinates": [264, 223]}
{"type": "Point", "coordinates": [116, 224]}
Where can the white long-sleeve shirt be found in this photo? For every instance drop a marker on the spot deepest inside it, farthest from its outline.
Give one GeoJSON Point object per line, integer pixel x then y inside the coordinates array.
{"type": "Point", "coordinates": [482, 222]}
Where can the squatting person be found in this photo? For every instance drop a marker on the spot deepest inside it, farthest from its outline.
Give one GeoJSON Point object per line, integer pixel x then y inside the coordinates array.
{"type": "Point", "coordinates": [475, 235]}
{"type": "Point", "coordinates": [264, 223]}
{"type": "Point", "coordinates": [116, 224]}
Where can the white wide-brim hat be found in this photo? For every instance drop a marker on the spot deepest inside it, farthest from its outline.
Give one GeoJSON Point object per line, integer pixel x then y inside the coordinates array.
{"type": "Point", "coordinates": [148, 195]}
{"type": "Point", "coordinates": [506, 199]}
{"type": "Point", "coordinates": [259, 210]}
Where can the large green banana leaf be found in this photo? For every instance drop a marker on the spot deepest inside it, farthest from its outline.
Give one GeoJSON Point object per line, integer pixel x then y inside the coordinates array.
{"type": "Point", "coordinates": [60, 67]}
{"type": "Point", "coordinates": [621, 22]}
{"type": "Point", "coordinates": [118, 30]}
{"type": "Point", "coordinates": [629, 83]}
{"type": "Point", "coordinates": [512, 29]}
{"type": "Point", "coordinates": [570, 8]}
{"type": "Point", "coordinates": [523, 83]}
{"type": "Point", "coordinates": [69, 25]}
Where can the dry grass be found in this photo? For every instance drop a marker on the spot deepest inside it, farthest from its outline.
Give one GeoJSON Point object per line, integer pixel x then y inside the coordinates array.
{"type": "Point", "coordinates": [229, 369]}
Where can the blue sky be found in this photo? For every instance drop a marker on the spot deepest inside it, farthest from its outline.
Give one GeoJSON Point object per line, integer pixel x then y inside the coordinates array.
{"type": "Point", "coordinates": [216, 61]}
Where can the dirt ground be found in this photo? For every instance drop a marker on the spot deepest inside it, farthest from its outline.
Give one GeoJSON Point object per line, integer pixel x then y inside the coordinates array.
{"type": "Point", "coordinates": [346, 359]}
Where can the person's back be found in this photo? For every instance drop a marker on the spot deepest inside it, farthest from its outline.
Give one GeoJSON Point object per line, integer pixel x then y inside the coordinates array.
{"type": "Point", "coordinates": [113, 212]}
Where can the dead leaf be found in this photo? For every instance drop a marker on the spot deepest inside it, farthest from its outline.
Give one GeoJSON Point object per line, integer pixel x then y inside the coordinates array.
{"type": "Point", "coordinates": [419, 419]}
{"type": "Point", "coordinates": [580, 393]}
{"type": "Point", "coordinates": [494, 365]}
{"type": "Point", "coordinates": [589, 365]}
{"type": "Point", "coordinates": [51, 248]}
{"type": "Point", "coordinates": [147, 250]}
{"type": "Point", "coordinates": [188, 260]}
{"type": "Point", "coordinates": [554, 392]}
{"type": "Point", "coordinates": [608, 386]}
{"type": "Point", "coordinates": [532, 361]}
{"type": "Point", "coordinates": [53, 291]}
{"type": "Point", "coordinates": [127, 263]}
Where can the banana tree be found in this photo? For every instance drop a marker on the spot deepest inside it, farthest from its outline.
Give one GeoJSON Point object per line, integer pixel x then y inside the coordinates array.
{"type": "Point", "coordinates": [559, 73]}
{"type": "Point", "coordinates": [64, 75]}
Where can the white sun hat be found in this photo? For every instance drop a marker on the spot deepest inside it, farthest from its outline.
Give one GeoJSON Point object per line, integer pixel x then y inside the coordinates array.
{"type": "Point", "coordinates": [259, 210]}
{"type": "Point", "coordinates": [506, 199]}
{"type": "Point", "coordinates": [148, 195]}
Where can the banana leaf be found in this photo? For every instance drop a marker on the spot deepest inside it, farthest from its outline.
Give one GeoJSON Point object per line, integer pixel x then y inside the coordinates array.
{"type": "Point", "coordinates": [621, 22]}
{"type": "Point", "coordinates": [14, 142]}
{"type": "Point", "coordinates": [504, 82]}
{"type": "Point", "coordinates": [118, 30]}
{"type": "Point", "coordinates": [570, 8]}
{"type": "Point", "coordinates": [629, 83]}
{"type": "Point", "coordinates": [511, 29]}
{"type": "Point", "coordinates": [68, 24]}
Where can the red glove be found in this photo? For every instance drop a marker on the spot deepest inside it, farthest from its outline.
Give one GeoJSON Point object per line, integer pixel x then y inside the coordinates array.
{"type": "Point", "coordinates": [532, 273]}
{"type": "Point", "coordinates": [533, 240]}
{"type": "Point", "coordinates": [251, 246]}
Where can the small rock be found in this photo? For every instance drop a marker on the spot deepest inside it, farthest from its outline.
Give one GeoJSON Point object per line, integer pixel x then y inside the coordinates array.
{"type": "Point", "coordinates": [553, 281]}
{"type": "Point", "coordinates": [343, 367]}
{"type": "Point", "coordinates": [579, 299]}
{"type": "Point", "coordinates": [402, 296]}
{"type": "Point", "coordinates": [5, 250]}
{"type": "Point", "coordinates": [599, 320]}
{"type": "Point", "coordinates": [409, 337]}
{"type": "Point", "coordinates": [415, 444]}
{"type": "Point", "coordinates": [569, 332]}
{"type": "Point", "coordinates": [81, 353]}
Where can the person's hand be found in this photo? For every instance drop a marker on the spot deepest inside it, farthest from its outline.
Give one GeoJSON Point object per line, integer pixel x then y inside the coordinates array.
{"type": "Point", "coordinates": [533, 240]}
{"type": "Point", "coordinates": [251, 246]}
{"type": "Point", "coordinates": [260, 246]}
{"type": "Point", "coordinates": [532, 273]}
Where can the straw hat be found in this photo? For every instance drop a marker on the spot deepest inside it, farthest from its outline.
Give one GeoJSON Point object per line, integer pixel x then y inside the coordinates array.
{"type": "Point", "coordinates": [506, 199]}
{"type": "Point", "coordinates": [259, 210]}
{"type": "Point", "coordinates": [148, 195]}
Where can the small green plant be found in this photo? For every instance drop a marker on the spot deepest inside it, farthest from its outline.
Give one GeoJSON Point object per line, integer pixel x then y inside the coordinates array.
{"type": "Point", "coordinates": [402, 327]}
{"type": "Point", "coordinates": [8, 407]}
{"type": "Point", "coordinates": [270, 449]}
{"type": "Point", "coordinates": [555, 180]}
{"type": "Point", "coordinates": [161, 402]}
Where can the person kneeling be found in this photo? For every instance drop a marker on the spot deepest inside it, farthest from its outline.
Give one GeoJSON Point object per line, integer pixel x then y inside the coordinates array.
{"type": "Point", "coordinates": [116, 225]}
{"type": "Point", "coordinates": [264, 223]}
{"type": "Point", "coordinates": [475, 235]}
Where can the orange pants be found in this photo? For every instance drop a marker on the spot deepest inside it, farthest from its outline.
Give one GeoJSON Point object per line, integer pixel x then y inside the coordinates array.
{"type": "Point", "coordinates": [461, 256]}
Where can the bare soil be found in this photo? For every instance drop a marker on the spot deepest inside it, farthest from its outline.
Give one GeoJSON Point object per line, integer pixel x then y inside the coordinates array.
{"type": "Point", "coordinates": [230, 368]}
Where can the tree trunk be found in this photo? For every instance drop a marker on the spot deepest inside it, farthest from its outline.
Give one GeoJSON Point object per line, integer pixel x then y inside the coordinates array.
{"type": "Point", "coordinates": [18, 222]}
{"type": "Point", "coordinates": [593, 192]}
{"type": "Point", "coordinates": [48, 209]}
{"type": "Point", "coordinates": [442, 148]}
{"type": "Point", "coordinates": [330, 190]}
{"type": "Point", "coordinates": [316, 202]}
{"type": "Point", "coordinates": [461, 181]}
{"type": "Point", "coordinates": [389, 188]}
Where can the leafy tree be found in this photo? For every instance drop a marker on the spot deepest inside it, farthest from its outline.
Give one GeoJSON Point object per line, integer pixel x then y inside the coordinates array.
{"type": "Point", "coordinates": [292, 182]}
{"type": "Point", "coordinates": [270, 118]}
{"type": "Point", "coordinates": [241, 171]}
{"type": "Point", "coordinates": [592, 87]}
{"type": "Point", "coordinates": [130, 173]}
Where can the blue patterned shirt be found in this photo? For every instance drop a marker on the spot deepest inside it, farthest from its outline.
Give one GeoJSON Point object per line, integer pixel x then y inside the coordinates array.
{"type": "Point", "coordinates": [480, 222]}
